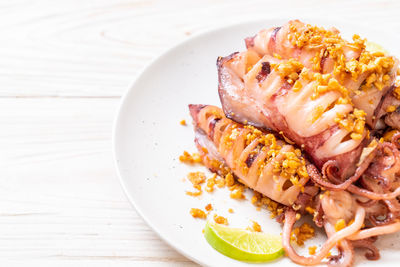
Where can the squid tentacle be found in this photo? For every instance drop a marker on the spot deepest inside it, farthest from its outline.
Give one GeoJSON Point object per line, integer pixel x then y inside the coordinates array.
{"type": "Point", "coordinates": [372, 253]}
{"type": "Point", "coordinates": [375, 231]}
{"type": "Point", "coordinates": [290, 219]}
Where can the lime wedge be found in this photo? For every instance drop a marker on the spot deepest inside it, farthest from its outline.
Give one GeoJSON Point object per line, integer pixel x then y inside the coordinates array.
{"type": "Point", "coordinates": [243, 245]}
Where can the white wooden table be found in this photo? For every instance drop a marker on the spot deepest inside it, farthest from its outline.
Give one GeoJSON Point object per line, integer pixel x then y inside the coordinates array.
{"type": "Point", "coordinates": [63, 67]}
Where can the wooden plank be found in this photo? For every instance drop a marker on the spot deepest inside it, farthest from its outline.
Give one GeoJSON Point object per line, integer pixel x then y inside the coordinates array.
{"type": "Point", "coordinates": [60, 199]}
{"type": "Point", "coordinates": [95, 48]}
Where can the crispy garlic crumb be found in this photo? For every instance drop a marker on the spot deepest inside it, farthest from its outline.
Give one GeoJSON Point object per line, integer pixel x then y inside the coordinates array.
{"type": "Point", "coordinates": [302, 233]}
{"type": "Point", "coordinates": [256, 227]}
{"type": "Point", "coordinates": [198, 213]}
{"type": "Point", "coordinates": [289, 70]}
{"type": "Point", "coordinates": [237, 192]}
{"type": "Point", "coordinates": [388, 135]}
{"type": "Point", "coordinates": [312, 249]}
{"type": "Point", "coordinates": [220, 219]}
{"type": "Point", "coordinates": [353, 122]}
{"type": "Point", "coordinates": [293, 167]}
{"type": "Point", "coordinates": [340, 224]}
{"type": "Point", "coordinates": [186, 157]}
{"type": "Point", "coordinates": [183, 122]}
{"type": "Point", "coordinates": [196, 193]}
{"type": "Point", "coordinates": [229, 139]}
{"type": "Point", "coordinates": [229, 180]}
{"type": "Point", "coordinates": [208, 207]}
{"type": "Point", "coordinates": [310, 210]}
{"type": "Point", "coordinates": [196, 178]}
{"type": "Point", "coordinates": [219, 167]}
{"type": "Point", "coordinates": [225, 178]}
{"type": "Point", "coordinates": [254, 199]}
{"type": "Point", "coordinates": [259, 200]}
{"type": "Point", "coordinates": [220, 182]}
{"type": "Point", "coordinates": [390, 108]}
{"type": "Point", "coordinates": [374, 65]}
{"type": "Point", "coordinates": [230, 211]}
{"type": "Point", "coordinates": [277, 56]}
{"type": "Point", "coordinates": [210, 183]}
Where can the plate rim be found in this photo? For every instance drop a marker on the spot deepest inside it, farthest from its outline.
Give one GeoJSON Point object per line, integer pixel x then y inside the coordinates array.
{"type": "Point", "coordinates": [131, 88]}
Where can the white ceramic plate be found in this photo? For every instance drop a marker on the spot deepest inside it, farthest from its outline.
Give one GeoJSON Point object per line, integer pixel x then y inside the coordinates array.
{"type": "Point", "coordinates": [148, 140]}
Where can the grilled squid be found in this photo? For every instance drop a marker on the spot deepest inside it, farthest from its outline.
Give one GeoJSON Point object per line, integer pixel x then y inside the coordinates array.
{"type": "Point", "coordinates": [324, 51]}
{"type": "Point", "coordinates": [260, 160]}
{"type": "Point", "coordinates": [335, 106]}
{"type": "Point", "coordinates": [319, 92]}
{"type": "Point", "coordinates": [271, 102]}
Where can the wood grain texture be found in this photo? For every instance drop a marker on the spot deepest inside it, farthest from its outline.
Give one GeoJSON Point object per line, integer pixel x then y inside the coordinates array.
{"type": "Point", "coordinates": [63, 68]}
{"type": "Point", "coordinates": [95, 48]}
{"type": "Point", "coordinates": [60, 199]}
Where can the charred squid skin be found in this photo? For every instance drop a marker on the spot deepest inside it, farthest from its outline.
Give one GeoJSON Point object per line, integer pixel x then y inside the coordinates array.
{"type": "Point", "coordinates": [194, 110]}
{"type": "Point", "coordinates": [265, 70]}
{"type": "Point", "coordinates": [212, 126]}
{"type": "Point", "coordinates": [323, 60]}
{"type": "Point", "coordinates": [249, 41]}
{"type": "Point", "coordinates": [231, 99]}
{"type": "Point", "coordinates": [272, 42]}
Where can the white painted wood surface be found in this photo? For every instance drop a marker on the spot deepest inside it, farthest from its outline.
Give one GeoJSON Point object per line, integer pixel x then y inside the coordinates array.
{"type": "Point", "coordinates": [63, 67]}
